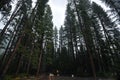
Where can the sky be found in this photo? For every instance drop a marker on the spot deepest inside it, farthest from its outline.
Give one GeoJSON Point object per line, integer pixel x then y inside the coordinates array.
{"type": "Point", "coordinates": [58, 10]}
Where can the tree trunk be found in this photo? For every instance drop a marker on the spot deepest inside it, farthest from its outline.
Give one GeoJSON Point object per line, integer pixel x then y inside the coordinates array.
{"type": "Point", "coordinates": [115, 7]}
{"type": "Point", "coordinates": [11, 58]}
{"type": "Point", "coordinates": [8, 46]}
{"type": "Point", "coordinates": [18, 67]}
{"type": "Point", "coordinates": [9, 21]}
{"type": "Point", "coordinates": [88, 49]}
{"type": "Point", "coordinates": [40, 57]}
{"type": "Point", "coordinates": [31, 53]}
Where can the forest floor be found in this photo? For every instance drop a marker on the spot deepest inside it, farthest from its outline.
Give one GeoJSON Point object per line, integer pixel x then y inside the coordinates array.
{"type": "Point", "coordinates": [79, 78]}
{"type": "Point", "coordinates": [58, 78]}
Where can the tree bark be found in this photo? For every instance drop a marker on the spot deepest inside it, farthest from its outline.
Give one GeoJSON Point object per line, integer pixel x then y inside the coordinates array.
{"type": "Point", "coordinates": [9, 43]}
{"type": "Point", "coordinates": [18, 67]}
{"type": "Point", "coordinates": [88, 49]}
{"type": "Point", "coordinates": [40, 56]}
{"type": "Point", "coordinates": [31, 53]}
{"type": "Point", "coordinates": [9, 21]}
{"type": "Point", "coordinates": [11, 58]}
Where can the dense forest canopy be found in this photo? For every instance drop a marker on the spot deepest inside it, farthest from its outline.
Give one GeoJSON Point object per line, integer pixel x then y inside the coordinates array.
{"type": "Point", "coordinates": [87, 45]}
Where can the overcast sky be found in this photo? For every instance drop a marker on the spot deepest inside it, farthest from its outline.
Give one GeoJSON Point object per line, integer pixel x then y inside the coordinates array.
{"type": "Point", "coordinates": [58, 9]}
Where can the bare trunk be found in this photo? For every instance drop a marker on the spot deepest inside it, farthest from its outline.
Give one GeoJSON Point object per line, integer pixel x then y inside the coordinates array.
{"type": "Point", "coordinates": [11, 18]}
{"type": "Point", "coordinates": [39, 64]}
{"type": "Point", "coordinates": [28, 66]}
{"type": "Point", "coordinates": [11, 58]}
{"type": "Point", "coordinates": [40, 57]}
{"type": "Point", "coordinates": [88, 48]}
{"type": "Point", "coordinates": [8, 45]}
{"type": "Point", "coordinates": [18, 67]}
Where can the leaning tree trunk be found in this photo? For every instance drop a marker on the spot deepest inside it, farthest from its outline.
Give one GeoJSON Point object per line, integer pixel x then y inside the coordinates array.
{"type": "Point", "coordinates": [9, 21]}
{"type": "Point", "coordinates": [19, 64]}
{"type": "Point", "coordinates": [2, 60]}
{"type": "Point", "coordinates": [21, 56]}
{"type": "Point", "coordinates": [31, 53]}
{"type": "Point", "coordinates": [40, 56]}
{"type": "Point", "coordinates": [115, 7]}
{"type": "Point", "coordinates": [88, 48]}
{"type": "Point", "coordinates": [11, 58]}
{"type": "Point", "coordinates": [109, 42]}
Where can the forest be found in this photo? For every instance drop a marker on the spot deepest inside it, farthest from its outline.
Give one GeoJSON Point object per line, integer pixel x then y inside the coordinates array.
{"type": "Point", "coordinates": [86, 45]}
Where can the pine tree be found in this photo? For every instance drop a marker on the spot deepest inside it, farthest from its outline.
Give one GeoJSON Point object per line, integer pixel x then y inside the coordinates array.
{"type": "Point", "coordinates": [62, 38]}
{"type": "Point", "coordinates": [49, 45]}
{"type": "Point", "coordinates": [5, 6]}
{"type": "Point", "coordinates": [114, 5]}
{"type": "Point", "coordinates": [69, 27]}
{"type": "Point", "coordinates": [82, 10]}
{"type": "Point", "coordinates": [55, 36]}
{"type": "Point", "coordinates": [19, 38]}
{"type": "Point", "coordinates": [107, 26]}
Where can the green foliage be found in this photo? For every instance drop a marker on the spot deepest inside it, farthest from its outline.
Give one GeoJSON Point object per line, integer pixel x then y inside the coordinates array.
{"type": "Point", "coordinates": [105, 75]}
{"type": "Point", "coordinates": [87, 43]}
{"type": "Point", "coordinates": [22, 75]}
{"type": "Point", "coordinates": [8, 77]}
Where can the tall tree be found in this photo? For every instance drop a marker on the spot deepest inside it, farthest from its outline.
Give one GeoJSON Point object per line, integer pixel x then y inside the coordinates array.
{"type": "Point", "coordinates": [82, 10]}
{"type": "Point", "coordinates": [108, 28]}
{"type": "Point", "coordinates": [114, 5]}
{"type": "Point", "coordinates": [55, 37]}
{"type": "Point", "coordinates": [24, 12]}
